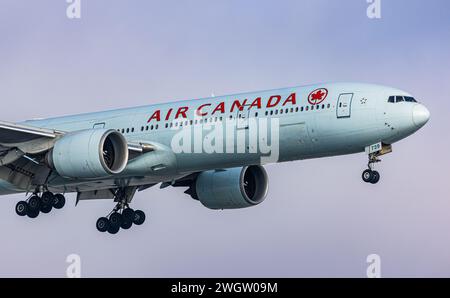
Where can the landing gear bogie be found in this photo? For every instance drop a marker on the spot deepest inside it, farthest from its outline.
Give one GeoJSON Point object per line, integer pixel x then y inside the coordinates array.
{"type": "Point", "coordinates": [122, 216]}
{"type": "Point", "coordinates": [40, 204]}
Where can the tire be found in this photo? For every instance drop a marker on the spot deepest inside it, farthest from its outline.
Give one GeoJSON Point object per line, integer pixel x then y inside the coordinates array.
{"type": "Point", "coordinates": [375, 177]}
{"type": "Point", "coordinates": [59, 201]}
{"type": "Point", "coordinates": [139, 217]}
{"type": "Point", "coordinates": [32, 213]}
{"type": "Point", "coordinates": [115, 220]}
{"type": "Point", "coordinates": [21, 208]}
{"type": "Point", "coordinates": [47, 198]}
{"type": "Point", "coordinates": [34, 203]}
{"type": "Point", "coordinates": [367, 176]}
{"type": "Point", "coordinates": [46, 208]}
{"type": "Point", "coordinates": [113, 230]}
{"type": "Point", "coordinates": [102, 224]}
{"type": "Point", "coordinates": [128, 214]}
{"type": "Point", "coordinates": [126, 224]}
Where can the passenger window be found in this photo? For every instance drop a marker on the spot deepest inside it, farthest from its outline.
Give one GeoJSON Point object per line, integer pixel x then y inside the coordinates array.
{"type": "Point", "coordinates": [328, 106]}
{"type": "Point", "coordinates": [307, 108]}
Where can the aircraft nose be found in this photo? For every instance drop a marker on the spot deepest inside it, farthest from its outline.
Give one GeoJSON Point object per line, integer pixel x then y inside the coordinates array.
{"type": "Point", "coordinates": [420, 115]}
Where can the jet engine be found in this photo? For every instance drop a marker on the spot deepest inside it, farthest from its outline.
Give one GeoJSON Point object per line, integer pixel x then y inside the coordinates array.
{"type": "Point", "coordinates": [93, 153]}
{"type": "Point", "coordinates": [230, 188]}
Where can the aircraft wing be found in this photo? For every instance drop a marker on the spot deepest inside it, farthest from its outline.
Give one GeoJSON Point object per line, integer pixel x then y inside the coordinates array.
{"type": "Point", "coordinates": [17, 140]}
{"type": "Point", "coordinates": [11, 133]}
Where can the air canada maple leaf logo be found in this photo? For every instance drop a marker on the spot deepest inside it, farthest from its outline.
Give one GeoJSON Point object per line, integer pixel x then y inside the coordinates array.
{"type": "Point", "coordinates": [317, 96]}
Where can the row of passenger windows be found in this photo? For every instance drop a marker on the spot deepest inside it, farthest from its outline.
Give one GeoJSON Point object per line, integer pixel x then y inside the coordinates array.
{"type": "Point", "coordinates": [394, 99]}
{"type": "Point", "coordinates": [215, 119]}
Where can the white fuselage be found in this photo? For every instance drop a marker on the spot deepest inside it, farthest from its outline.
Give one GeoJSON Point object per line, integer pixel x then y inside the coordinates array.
{"type": "Point", "coordinates": [314, 121]}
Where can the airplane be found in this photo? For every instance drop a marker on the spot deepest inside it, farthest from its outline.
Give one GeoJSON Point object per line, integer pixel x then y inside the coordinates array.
{"type": "Point", "coordinates": [113, 154]}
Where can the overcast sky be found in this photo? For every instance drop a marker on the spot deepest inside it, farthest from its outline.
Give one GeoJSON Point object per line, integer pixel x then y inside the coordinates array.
{"type": "Point", "coordinates": [319, 218]}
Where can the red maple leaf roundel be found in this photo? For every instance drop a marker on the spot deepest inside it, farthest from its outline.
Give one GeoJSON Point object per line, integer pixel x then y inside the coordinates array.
{"type": "Point", "coordinates": [317, 96]}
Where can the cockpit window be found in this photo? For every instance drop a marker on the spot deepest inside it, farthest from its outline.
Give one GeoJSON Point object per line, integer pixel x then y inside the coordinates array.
{"type": "Point", "coordinates": [398, 98]}
{"type": "Point", "coordinates": [410, 99]}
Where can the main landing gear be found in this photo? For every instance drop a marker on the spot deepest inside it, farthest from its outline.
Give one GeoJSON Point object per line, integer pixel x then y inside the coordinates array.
{"type": "Point", "coordinates": [122, 216]}
{"type": "Point", "coordinates": [370, 175]}
{"type": "Point", "coordinates": [36, 204]}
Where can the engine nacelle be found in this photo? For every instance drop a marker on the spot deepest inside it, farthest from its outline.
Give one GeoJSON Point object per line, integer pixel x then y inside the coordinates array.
{"type": "Point", "coordinates": [232, 188]}
{"type": "Point", "coordinates": [93, 153]}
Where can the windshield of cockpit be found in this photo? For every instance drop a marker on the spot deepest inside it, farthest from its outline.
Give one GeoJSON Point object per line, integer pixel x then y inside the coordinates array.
{"type": "Point", "coordinates": [398, 98]}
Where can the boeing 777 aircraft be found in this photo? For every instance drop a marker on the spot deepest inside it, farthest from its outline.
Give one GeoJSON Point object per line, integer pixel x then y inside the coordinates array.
{"type": "Point", "coordinates": [214, 147]}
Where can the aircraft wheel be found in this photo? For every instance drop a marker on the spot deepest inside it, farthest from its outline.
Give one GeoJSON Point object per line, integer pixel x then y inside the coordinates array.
{"type": "Point", "coordinates": [128, 214]}
{"type": "Point", "coordinates": [139, 217]}
{"type": "Point", "coordinates": [59, 201]}
{"type": "Point", "coordinates": [115, 220]}
{"type": "Point", "coordinates": [21, 208]}
{"type": "Point", "coordinates": [367, 176]}
{"type": "Point", "coordinates": [102, 224]}
{"type": "Point", "coordinates": [32, 213]}
{"type": "Point", "coordinates": [47, 198]}
{"type": "Point", "coordinates": [375, 177]}
{"type": "Point", "coordinates": [113, 229]}
{"type": "Point", "coordinates": [46, 208]}
{"type": "Point", "coordinates": [126, 223]}
{"type": "Point", "coordinates": [34, 203]}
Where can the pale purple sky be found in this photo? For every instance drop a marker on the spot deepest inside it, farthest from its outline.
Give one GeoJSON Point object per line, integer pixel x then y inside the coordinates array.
{"type": "Point", "coordinates": [319, 219]}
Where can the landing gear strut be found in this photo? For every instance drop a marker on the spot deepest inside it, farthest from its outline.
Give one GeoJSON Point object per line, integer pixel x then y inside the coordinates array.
{"type": "Point", "coordinates": [36, 204]}
{"type": "Point", "coordinates": [370, 175]}
{"type": "Point", "coordinates": [122, 216]}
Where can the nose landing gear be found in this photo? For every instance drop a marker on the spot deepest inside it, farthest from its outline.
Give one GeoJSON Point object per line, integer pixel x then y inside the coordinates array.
{"type": "Point", "coordinates": [370, 175]}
